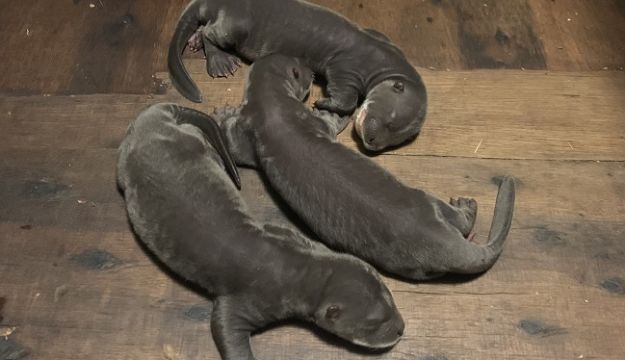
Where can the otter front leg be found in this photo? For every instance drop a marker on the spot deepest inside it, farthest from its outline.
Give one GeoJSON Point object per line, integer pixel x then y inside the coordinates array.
{"type": "Point", "coordinates": [461, 213]}
{"type": "Point", "coordinates": [343, 97]}
{"type": "Point", "coordinates": [230, 333]}
{"type": "Point", "coordinates": [334, 122]}
{"type": "Point", "coordinates": [237, 132]}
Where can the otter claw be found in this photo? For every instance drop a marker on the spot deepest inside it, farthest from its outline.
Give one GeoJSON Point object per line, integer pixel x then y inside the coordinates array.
{"type": "Point", "coordinates": [226, 112]}
{"type": "Point", "coordinates": [195, 41]}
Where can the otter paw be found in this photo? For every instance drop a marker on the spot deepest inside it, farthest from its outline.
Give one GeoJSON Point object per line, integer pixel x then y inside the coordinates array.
{"type": "Point", "coordinates": [195, 41]}
{"type": "Point", "coordinates": [330, 104]}
{"type": "Point", "coordinates": [335, 121]}
{"type": "Point", "coordinates": [468, 207]}
{"type": "Point", "coordinates": [325, 114]}
{"type": "Point", "coordinates": [464, 203]}
{"type": "Point", "coordinates": [224, 113]}
{"type": "Point", "coordinates": [221, 64]}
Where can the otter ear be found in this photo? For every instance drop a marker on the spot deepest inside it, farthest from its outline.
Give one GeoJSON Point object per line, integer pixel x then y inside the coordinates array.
{"type": "Point", "coordinates": [333, 312]}
{"type": "Point", "coordinates": [398, 86]}
{"type": "Point", "coordinates": [295, 73]}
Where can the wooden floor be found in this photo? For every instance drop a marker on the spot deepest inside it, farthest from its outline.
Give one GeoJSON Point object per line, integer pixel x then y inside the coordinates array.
{"type": "Point", "coordinates": [532, 88]}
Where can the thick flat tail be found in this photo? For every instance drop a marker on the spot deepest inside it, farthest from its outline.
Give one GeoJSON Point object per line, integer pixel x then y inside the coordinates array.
{"type": "Point", "coordinates": [475, 258]}
{"type": "Point", "coordinates": [213, 134]}
{"type": "Point", "coordinates": [187, 25]}
{"type": "Point", "coordinates": [502, 219]}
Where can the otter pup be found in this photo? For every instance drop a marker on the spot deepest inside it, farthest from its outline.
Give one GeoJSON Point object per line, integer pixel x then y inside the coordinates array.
{"type": "Point", "coordinates": [187, 211]}
{"type": "Point", "coordinates": [356, 62]}
{"type": "Point", "coordinates": [348, 200]}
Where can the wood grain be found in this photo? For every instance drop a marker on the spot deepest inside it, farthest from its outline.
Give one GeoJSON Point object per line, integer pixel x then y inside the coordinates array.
{"type": "Point", "coordinates": [581, 35]}
{"type": "Point", "coordinates": [497, 34]}
{"type": "Point", "coordinates": [117, 46]}
{"type": "Point", "coordinates": [72, 47]}
{"type": "Point", "coordinates": [72, 272]}
{"type": "Point", "coordinates": [497, 114]}
{"type": "Point", "coordinates": [573, 116]}
{"type": "Point", "coordinates": [74, 283]}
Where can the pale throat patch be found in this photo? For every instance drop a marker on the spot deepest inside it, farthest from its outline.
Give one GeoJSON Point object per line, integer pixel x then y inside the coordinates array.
{"type": "Point", "coordinates": [362, 114]}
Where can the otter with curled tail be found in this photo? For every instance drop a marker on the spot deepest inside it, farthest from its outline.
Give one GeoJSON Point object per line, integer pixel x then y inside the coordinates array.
{"type": "Point", "coordinates": [356, 62]}
{"type": "Point", "coordinates": [348, 200]}
{"type": "Point", "coordinates": [187, 211]}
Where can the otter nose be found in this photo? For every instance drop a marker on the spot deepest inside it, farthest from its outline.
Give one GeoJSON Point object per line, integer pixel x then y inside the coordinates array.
{"type": "Point", "coordinates": [401, 327]}
{"type": "Point", "coordinates": [371, 128]}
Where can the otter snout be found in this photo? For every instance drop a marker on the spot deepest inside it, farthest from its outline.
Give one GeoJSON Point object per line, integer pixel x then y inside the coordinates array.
{"type": "Point", "coordinates": [369, 136]}
{"type": "Point", "coordinates": [371, 143]}
{"type": "Point", "coordinates": [400, 331]}
{"type": "Point", "coordinates": [370, 131]}
{"type": "Point", "coordinates": [387, 336]}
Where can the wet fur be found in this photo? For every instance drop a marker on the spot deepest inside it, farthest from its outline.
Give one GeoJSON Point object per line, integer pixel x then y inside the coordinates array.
{"type": "Point", "coordinates": [349, 201]}
{"type": "Point", "coordinates": [186, 209]}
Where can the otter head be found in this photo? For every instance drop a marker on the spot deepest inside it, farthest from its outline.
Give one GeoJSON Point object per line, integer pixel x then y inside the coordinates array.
{"type": "Point", "coordinates": [392, 113]}
{"type": "Point", "coordinates": [278, 73]}
{"type": "Point", "coordinates": [358, 307]}
{"type": "Point", "coordinates": [298, 77]}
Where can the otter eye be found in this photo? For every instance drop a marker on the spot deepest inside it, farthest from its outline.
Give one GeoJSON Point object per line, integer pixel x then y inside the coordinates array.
{"type": "Point", "coordinates": [333, 312]}
{"type": "Point", "coordinates": [295, 74]}
{"type": "Point", "coordinates": [398, 86]}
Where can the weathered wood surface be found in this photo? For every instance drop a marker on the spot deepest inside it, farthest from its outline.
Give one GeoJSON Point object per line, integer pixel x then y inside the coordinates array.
{"type": "Point", "coordinates": [571, 116]}
{"type": "Point", "coordinates": [494, 114]}
{"type": "Point", "coordinates": [84, 47]}
{"type": "Point", "coordinates": [77, 47]}
{"type": "Point", "coordinates": [74, 284]}
{"type": "Point", "coordinates": [75, 281]}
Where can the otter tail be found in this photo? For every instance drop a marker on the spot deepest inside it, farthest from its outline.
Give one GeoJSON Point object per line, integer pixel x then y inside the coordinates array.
{"type": "Point", "coordinates": [475, 258]}
{"type": "Point", "coordinates": [213, 134]}
{"type": "Point", "coordinates": [187, 25]}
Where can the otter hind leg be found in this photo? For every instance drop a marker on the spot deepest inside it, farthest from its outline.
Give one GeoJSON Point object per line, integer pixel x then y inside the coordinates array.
{"type": "Point", "coordinates": [218, 62]}
{"type": "Point", "coordinates": [462, 213]}
{"type": "Point", "coordinates": [335, 123]}
{"type": "Point", "coordinates": [342, 103]}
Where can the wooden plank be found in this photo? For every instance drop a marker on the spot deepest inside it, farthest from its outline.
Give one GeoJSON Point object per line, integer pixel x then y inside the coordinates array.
{"type": "Point", "coordinates": [74, 279]}
{"type": "Point", "coordinates": [555, 260]}
{"type": "Point", "coordinates": [483, 114]}
{"type": "Point", "coordinates": [497, 34]}
{"type": "Point", "coordinates": [72, 47]}
{"type": "Point", "coordinates": [477, 114]}
{"type": "Point", "coordinates": [581, 35]}
{"type": "Point", "coordinates": [498, 114]}
{"type": "Point", "coordinates": [118, 45]}
{"type": "Point", "coordinates": [117, 48]}
{"type": "Point", "coordinates": [426, 31]}
{"type": "Point", "coordinates": [524, 115]}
